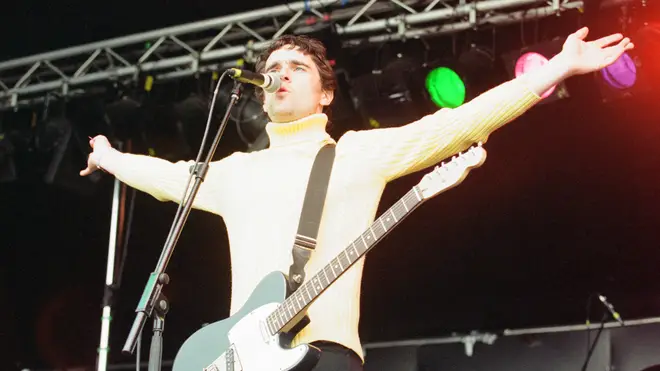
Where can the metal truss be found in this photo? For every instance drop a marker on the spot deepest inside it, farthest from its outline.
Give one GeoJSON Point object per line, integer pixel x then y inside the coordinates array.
{"type": "Point", "coordinates": [228, 41]}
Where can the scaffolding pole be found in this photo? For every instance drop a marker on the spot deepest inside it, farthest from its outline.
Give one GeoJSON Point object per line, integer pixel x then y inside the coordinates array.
{"type": "Point", "coordinates": [224, 42]}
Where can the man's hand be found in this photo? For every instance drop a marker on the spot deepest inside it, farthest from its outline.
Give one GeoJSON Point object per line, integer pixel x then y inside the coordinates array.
{"type": "Point", "coordinates": [576, 58]}
{"type": "Point", "coordinates": [582, 57]}
{"type": "Point", "coordinates": [100, 146]}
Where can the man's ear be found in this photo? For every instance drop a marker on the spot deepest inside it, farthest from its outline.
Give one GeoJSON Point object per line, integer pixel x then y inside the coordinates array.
{"type": "Point", "coordinates": [327, 97]}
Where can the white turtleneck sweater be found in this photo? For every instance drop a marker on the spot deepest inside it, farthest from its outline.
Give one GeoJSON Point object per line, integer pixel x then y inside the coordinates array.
{"type": "Point", "coordinates": [259, 195]}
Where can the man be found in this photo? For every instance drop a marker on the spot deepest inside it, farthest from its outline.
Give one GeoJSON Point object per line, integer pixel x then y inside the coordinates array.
{"type": "Point", "coordinates": [259, 195]}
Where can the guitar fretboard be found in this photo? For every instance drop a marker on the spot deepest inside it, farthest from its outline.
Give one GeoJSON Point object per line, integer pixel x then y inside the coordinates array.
{"type": "Point", "coordinates": [311, 289]}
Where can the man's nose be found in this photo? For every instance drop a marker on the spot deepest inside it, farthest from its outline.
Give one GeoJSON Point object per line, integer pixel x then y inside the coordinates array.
{"type": "Point", "coordinates": [285, 75]}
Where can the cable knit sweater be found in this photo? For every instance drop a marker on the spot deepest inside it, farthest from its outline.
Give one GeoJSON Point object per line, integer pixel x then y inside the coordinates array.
{"type": "Point", "coordinates": [259, 195]}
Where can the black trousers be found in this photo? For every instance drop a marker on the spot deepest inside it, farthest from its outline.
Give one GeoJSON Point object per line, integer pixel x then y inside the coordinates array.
{"type": "Point", "coordinates": [335, 357]}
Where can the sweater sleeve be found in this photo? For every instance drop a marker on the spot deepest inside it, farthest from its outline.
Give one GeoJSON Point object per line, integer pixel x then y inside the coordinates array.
{"type": "Point", "coordinates": [398, 151]}
{"type": "Point", "coordinates": [166, 181]}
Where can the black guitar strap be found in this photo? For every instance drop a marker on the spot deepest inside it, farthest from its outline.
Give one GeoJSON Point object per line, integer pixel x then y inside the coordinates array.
{"type": "Point", "coordinates": [310, 217]}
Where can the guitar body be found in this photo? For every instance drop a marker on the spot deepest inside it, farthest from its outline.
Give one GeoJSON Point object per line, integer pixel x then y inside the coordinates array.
{"type": "Point", "coordinates": [242, 343]}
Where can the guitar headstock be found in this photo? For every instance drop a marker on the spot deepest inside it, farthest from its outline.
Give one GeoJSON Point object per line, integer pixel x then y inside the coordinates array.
{"type": "Point", "coordinates": [452, 172]}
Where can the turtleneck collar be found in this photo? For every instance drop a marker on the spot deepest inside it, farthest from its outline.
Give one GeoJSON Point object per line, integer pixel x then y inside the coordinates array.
{"type": "Point", "coordinates": [307, 129]}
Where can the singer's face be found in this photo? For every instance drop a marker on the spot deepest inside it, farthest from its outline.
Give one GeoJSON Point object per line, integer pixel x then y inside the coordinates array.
{"type": "Point", "coordinates": [300, 94]}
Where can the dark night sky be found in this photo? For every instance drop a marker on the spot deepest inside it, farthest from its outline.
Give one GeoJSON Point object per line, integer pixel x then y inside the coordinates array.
{"type": "Point", "coordinates": [566, 205]}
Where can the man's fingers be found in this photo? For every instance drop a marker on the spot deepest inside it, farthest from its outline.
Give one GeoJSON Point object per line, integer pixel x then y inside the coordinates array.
{"type": "Point", "coordinates": [581, 33]}
{"type": "Point", "coordinates": [607, 40]}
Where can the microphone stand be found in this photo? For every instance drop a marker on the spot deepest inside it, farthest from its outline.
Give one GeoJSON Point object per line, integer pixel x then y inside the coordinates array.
{"type": "Point", "coordinates": [152, 297]}
{"type": "Point", "coordinates": [593, 345]}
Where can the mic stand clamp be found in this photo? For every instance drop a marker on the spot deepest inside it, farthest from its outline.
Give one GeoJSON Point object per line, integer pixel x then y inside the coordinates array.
{"type": "Point", "coordinates": [152, 298]}
{"type": "Point", "coordinates": [160, 310]}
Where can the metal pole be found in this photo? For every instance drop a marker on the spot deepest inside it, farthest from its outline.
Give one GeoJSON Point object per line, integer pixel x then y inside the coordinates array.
{"type": "Point", "coordinates": [106, 317]}
{"type": "Point", "coordinates": [212, 23]}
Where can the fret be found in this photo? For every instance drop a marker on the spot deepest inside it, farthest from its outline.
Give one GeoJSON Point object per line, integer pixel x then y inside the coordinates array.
{"type": "Point", "coordinates": [413, 197]}
{"type": "Point", "coordinates": [346, 262]}
{"type": "Point", "coordinates": [272, 326]}
{"type": "Point", "coordinates": [287, 317]}
{"type": "Point", "coordinates": [373, 234]}
{"type": "Point", "coordinates": [306, 291]}
{"type": "Point", "coordinates": [403, 202]}
{"type": "Point", "coordinates": [327, 280]}
{"type": "Point", "coordinates": [292, 309]}
{"type": "Point", "coordinates": [325, 270]}
{"type": "Point", "coordinates": [314, 287]}
{"type": "Point", "coordinates": [387, 221]}
{"type": "Point", "coordinates": [279, 323]}
{"type": "Point", "coordinates": [363, 249]}
{"type": "Point", "coordinates": [392, 212]}
{"type": "Point", "coordinates": [417, 194]}
{"type": "Point", "coordinates": [296, 301]}
{"type": "Point", "coordinates": [280, 316]}
{"type": "Point", "coordinates": [276, 320]}
{"type": "Point", "coordinates": [336, 266]}
{"type": "Point", "coordinates": [276, 324]}
{"type": "Point", "coordinates": [355, 252]}
{"type": "Point", "coordinates": [319, 284]}
{"type": "Point", "coordinates": [269, 325]}
{"type": "Point", "coordinates": [399, 213]}
{"type": "Point", "coordinates": [288, 312]}
{"type": "Point", "coordinates": [273, 319]}
{"type": "Point", "coordinates": [283, 314]}
{"type": "Point", "coordinates": [383, 224]}
{"type": "Point", "coordinates": [364, 242]}
{"type": "Point", "coordinates": [368, 240]}
{"type": "Point", "coordinates": [380, 227]}
{"type": "Point", "coordinates": [303, 300]}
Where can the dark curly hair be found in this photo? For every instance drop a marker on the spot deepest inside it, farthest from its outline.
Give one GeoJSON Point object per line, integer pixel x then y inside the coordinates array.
{"type": "Point", "coordinates": [308, 46]}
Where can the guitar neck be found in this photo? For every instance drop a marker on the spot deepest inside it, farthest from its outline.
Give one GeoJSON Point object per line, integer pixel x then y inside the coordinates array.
{"type": "Point", "coordinates": [310, 290]}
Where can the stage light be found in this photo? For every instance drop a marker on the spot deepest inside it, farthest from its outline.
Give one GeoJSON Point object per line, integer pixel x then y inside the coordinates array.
{"type": "Point", "coordinates": [636, 72]}
{"type": "Point", "coordinates": [452, 81]}
{"type": "Point", "coordinates": [445, 87]}
{"type": "Point", "coordinates": [249, 117]}
{"type": "Point", "coordinates": [251, 122]}
{"type": "Point", "coordinates": [123, 116]}
{"type": "Point", "coordinates": [66, 151]}
{"type": "Point", "coordinates": [533, 57]}
{"type": "Point", "coordinates": [532, 61]}
{"type": "Point", "coordinates": [392, 95]}
{"type": "Point", "coordinates": [622, 74]}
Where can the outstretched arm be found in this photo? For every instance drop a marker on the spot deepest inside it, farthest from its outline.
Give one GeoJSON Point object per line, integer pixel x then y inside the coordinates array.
{"type": "Point", "coordinates": [164, 180]}
{"type": "Point", "coordinates": [398, 151]}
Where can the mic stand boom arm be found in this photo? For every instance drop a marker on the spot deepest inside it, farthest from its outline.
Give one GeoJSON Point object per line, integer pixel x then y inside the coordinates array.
{"type": "Point", "coordinates": [152, 294]}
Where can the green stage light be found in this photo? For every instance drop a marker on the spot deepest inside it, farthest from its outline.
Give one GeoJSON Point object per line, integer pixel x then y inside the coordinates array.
{"type": "Point", "coordinates": [445, 87]}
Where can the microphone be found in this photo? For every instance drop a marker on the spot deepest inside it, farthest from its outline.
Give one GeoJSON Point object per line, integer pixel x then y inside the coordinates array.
{"type": "Point", "coordinates": [270, 82]}
{"type": "Point", "coordinates": [610, 308]}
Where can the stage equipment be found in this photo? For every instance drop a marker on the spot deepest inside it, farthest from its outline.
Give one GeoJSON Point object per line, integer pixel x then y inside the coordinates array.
{"type": "Point", "coordinates": [193, 48]}
{"type": "Point", "coordinates": [530, 58]}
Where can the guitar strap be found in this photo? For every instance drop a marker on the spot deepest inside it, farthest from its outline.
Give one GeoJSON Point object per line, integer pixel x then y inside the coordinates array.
{"type": "Point", "coordinates": [310, 216]}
